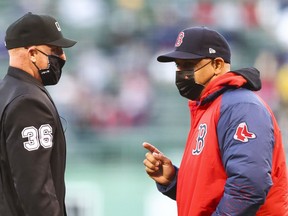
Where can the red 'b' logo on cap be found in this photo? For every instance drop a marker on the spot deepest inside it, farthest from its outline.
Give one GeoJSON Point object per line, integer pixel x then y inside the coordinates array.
{"type": "Point", "coordinates": [179, 39]}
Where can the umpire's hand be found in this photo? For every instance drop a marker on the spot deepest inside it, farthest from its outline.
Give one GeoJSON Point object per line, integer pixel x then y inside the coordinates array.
{"type": "Point", "coordinates": [158, 166]}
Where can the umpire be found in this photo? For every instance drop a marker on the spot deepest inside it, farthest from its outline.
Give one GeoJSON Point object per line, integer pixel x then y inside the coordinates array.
{"type": "Point", "coordinates": [32, 146]}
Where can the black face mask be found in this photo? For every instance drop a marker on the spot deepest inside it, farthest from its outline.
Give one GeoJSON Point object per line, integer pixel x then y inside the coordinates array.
{"type": "Point", "coordinates": [186, 84]}
{"type": "Point", "coordinates": [52, 74]}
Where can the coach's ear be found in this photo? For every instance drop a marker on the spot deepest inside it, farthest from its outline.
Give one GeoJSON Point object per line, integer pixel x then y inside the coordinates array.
{"type": "Point", "coordinates": [219, 65]}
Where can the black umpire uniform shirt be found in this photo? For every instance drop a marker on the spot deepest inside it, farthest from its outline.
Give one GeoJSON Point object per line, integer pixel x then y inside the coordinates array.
{"type": "Point", "coordinates": [32, 149]}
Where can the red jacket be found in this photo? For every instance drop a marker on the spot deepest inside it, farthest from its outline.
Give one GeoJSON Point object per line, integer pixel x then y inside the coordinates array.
{"type": "Point", "coordinates": [234, 160]}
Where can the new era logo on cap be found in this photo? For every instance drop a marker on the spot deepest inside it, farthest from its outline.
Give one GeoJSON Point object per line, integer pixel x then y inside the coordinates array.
{"type": "Point", "coordinates": [211, 50]}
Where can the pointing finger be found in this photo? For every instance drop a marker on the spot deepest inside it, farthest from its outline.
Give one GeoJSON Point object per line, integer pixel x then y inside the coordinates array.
{"type": "Point", "coordinates": [150, 147]}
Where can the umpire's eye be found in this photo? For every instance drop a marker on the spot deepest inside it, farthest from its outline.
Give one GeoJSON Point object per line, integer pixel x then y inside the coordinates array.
{"type": "Point", "coordinates": [57, 51]}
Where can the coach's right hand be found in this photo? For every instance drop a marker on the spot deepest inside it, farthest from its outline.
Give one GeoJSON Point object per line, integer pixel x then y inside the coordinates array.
{"type": "Point", "coordinates": [158, 166]}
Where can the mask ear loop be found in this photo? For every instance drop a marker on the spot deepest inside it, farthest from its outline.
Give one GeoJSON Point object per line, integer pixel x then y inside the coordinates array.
{"type": "Point", "coordinates": [203, 67]}
{"type": "Point", "coordinates": [43, 54]}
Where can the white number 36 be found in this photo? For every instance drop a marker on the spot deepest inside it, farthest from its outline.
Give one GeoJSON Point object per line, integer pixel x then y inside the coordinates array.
{"type": "Point", "coordinates": [36, 137]}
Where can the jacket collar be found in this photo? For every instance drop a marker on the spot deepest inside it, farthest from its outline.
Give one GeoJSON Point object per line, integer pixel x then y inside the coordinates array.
{"type": "Point", "coordinates": [244, 78]}
{"type": "Point", "coordinates": [22, 75]}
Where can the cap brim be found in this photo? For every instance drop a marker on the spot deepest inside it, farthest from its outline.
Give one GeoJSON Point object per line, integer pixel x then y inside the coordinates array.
{"type": "Point", "coordinates": [63, 42]}
{"type": "Point", "coordinates": [172, 56]}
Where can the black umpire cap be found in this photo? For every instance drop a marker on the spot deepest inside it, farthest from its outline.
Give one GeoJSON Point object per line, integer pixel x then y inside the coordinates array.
{"type": "Point", "coordinates": [33, 29]}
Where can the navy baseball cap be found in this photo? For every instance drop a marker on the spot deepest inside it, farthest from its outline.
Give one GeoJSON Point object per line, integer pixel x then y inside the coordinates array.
{"type": "Point", "coordinates": [32, 29]}
{"type": "Point", "coordinates": [198, 43]}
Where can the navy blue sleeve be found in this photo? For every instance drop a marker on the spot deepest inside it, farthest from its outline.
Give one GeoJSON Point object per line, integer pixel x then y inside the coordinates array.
{"type": "Point", "coordinates": [169, 190]}
{"type": "Point", "coordinates": [246, 141]}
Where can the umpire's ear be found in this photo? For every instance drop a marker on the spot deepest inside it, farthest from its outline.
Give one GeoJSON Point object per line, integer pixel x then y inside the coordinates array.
{"type": "Point", "coordinates": [32, 51]}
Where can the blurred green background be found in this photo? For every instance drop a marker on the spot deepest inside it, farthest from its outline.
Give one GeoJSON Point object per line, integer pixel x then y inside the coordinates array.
{"type": "Point", "coordinates": [114, 95]}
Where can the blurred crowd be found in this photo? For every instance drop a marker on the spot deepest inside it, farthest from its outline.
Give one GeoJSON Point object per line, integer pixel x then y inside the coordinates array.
{"type": "Point", "coordinates": [111, 75]}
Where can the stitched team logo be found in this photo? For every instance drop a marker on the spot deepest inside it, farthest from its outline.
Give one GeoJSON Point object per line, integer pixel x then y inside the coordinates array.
{"type": "Point", "coordinates": [200, 140]}
{"type": "Point", "coordinates": [179, 39]}
{"type": "Point", "coordinates": [243, 134]}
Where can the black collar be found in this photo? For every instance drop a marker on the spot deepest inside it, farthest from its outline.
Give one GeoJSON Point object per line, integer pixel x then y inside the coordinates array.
{"type": "Point", "coordinates": [24, 76]}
